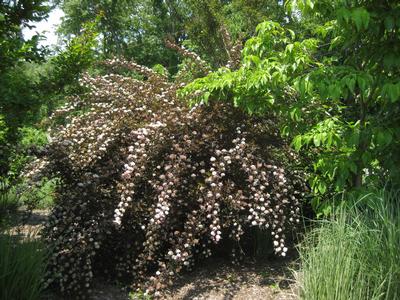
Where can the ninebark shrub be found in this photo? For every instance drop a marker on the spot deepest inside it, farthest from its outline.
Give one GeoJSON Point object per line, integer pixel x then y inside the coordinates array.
{"type": "Point", "coordinates": [149, 185]}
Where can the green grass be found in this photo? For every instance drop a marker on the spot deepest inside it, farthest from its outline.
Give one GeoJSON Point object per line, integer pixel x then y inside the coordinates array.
{"type": "Point", "coordinates": [355, 254]}
{"type": "Point", "coordinates": [22, 266]}
{"type": "Point", "coordinates": [22, 259]}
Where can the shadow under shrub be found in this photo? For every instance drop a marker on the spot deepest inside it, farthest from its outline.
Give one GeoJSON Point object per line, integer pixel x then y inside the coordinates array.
{"type": "Point", "coordinates": [149, 185]}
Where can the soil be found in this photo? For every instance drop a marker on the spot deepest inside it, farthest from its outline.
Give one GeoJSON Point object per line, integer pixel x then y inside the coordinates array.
{"type": "Point", "coordinates": [215, 279]}
{"type": "Point", "coordinates": [218, 279]}
{"type": "Point", "coordinates": [28, 224]}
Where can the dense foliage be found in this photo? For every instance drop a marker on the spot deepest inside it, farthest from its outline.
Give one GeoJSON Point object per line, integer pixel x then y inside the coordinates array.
{"type": "Point", "coordinates": [130, 28]}
{"type": "Point", "coordinates": [335, 88]}
{"type": "Point", "coordinates": [148, 185]}
{"type": "Point", "coordinates": [14, 16]}
{"type": "Point", "coordinates": [18, 102]}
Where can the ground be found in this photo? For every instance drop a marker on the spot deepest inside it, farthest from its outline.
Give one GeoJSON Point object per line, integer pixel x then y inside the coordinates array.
{"type": "Point", "coordinates": [220, 280]}
{"type": "Point", "coordinates": [215, 279]}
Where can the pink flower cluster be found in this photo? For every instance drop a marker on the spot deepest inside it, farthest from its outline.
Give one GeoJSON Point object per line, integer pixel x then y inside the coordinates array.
{"type": "Point", "coordinates": [149, 186]}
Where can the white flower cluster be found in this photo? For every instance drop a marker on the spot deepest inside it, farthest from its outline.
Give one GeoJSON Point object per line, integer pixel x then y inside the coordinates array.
{"type": "Point", "coordinates": [149, 186]}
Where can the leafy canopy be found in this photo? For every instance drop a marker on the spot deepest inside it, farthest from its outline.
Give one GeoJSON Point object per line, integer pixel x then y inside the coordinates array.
{"type": "Point", "coordinates": [337, 91]}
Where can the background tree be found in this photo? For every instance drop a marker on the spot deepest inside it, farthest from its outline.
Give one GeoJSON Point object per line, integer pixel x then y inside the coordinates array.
{"type": "Point", "coordinates": [130, 27]}
{"type": "Point", "coordinates": [127, 28]}
{"type": "Point", "coordinates": [18, 102]}
{"type": "Point", "coordinates": [239, 17]}
{"type": "Point", "coordinates": [14, 16]}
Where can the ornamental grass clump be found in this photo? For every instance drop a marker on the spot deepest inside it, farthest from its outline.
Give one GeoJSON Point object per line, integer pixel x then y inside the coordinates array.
{"type": "Point", "coordinates": [22, 266]}
{"type": "Point", "coordinates": [355, 255]}
{"type": "Point", "coordinates": [148, 186]}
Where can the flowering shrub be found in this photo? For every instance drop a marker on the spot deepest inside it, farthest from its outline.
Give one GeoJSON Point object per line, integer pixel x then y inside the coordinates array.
{"type": "Point", "coordinates": [149, 185]}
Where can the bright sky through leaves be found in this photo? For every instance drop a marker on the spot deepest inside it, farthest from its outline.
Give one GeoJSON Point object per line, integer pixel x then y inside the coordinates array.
{"type": "Point", "coordinates": [46, 27]}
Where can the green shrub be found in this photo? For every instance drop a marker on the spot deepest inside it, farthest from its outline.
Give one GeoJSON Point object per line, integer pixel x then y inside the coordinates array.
{"type": "Point", "coordinates": [38, 196]}
{"type": "Point", "coordinates": [30, 136]}
{"type": "Point", "coordinates": [9, 202]}
{"type": "Point", "coordinates": [160, 69]}
{"type": "Point", "coordinates": [3, 129]}
{"type": "Point", "coordinates": [355, 255]}
{"type": "Point", "coordinates": [21, 268]}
